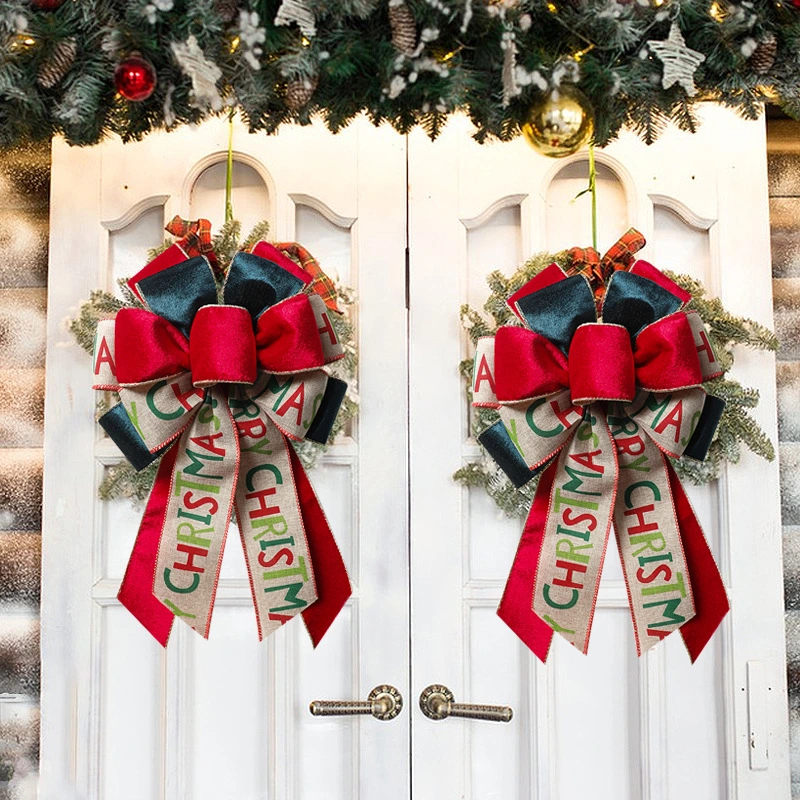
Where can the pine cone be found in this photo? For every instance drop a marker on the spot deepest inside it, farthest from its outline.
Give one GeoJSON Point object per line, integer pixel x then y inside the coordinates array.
{"type": "Point", "coordinates": [404, 28]}
{"type": "Point", "coordinates": [58, 63]}
{"type": "Point", "coordinates": [764, 55]}
{"type": "Point", "coordinates": [298, 92]}
{"type": "Point", "coordinates": [227, 9]}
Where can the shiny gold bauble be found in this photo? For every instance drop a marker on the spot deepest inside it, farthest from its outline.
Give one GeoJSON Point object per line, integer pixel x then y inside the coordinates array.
{"type": "Point", "coordinates": [560, 123]}
{"type": "Point", "coordinates": [21, 42]}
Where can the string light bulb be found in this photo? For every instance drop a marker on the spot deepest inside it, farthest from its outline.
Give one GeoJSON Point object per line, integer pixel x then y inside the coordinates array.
{"type": "Point", "coordinates": [443, 54]}
{"type": "Point", "coordinates": [716, 11]}
{"type": "Point", "coordinates": [21, 42]}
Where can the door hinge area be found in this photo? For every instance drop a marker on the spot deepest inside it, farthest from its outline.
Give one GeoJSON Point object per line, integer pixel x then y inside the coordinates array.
{"type": "Point", "coordinates": [758, 715]}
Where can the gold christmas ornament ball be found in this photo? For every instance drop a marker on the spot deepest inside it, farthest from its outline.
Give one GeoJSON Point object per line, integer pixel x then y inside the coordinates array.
{"type": "Point", "coordinates": [560, 123]}
{"type": "Point", "coordinates": [21, 42]}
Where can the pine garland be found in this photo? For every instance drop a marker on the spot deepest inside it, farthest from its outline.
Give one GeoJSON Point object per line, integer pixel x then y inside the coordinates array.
{"type": "Point", "coordinates": [122, 481]}
{"type": "Point", "coordinates": [493, 59]}
{"type": "Point", "coordinates": [736, 429]}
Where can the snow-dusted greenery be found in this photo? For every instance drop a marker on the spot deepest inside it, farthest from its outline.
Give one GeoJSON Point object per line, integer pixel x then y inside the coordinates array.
{"type": "Point", "coordinates": [407, 62]}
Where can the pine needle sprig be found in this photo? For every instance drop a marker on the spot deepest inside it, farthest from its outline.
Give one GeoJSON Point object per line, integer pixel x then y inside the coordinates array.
{"type": "Point", "coordinates": [123, 482]}
{"type": "Point", "coordinates": [83, 326]}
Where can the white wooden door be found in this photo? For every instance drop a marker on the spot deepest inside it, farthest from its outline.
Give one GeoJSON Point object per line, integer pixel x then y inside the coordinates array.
{"type": "Point", "coordinates": [226, 719]}
{"type": "Point", "coordinates": [603, 726]}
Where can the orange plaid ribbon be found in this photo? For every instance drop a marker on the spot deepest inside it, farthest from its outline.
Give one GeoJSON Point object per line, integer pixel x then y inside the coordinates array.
{"type": "Point", "coordinates": [586, 261]}
{"type": "Point", "coordinates": [194, 238]}
{"type": "Point", "coordinates": [322, 284]}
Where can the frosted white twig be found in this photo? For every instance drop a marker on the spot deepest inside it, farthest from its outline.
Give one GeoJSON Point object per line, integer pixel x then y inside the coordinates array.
{"type": "Point", "coordinates": [300, 12]}
{"type": "Point", "coordinates": [203, 73]}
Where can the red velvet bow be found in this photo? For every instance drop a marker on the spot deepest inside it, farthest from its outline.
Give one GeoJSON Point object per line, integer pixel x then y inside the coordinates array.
{"type": "Point", "coordinates": [218, 390]}
{"type": "Point", "coordinates": [222, 346]}
{"type": "Point", "coordinates": [601, 365]}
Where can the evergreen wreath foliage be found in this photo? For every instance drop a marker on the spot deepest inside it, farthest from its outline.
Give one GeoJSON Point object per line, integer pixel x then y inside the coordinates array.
{"type": "Point", "coordinates": [122, 481]}
{"type": "Point", "coordinates": [736, 429]}
{"type": "Point", "coordinates": [349, 60]}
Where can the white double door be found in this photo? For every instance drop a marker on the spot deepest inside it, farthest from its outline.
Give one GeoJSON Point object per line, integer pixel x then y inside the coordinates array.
{"type": "Point", "coordinates": [227, 718]}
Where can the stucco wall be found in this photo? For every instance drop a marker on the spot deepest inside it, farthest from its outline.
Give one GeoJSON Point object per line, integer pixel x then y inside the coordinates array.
{"type": "Point", "coordinates": [784, 190]}
{"type": "Point", "coordinates": [24, 201]}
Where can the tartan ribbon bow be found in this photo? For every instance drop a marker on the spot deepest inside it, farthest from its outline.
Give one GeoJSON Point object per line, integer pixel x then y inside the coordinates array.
{"type": "Point", "coordinates": [321, 283]}
{"type": "Point", "coordinates": [217, 390]}
{"type": "Point", "coordinates": [596, 408]}
{"type": "Point", "coordinates": [194, 238]}
{"type": "Point", "coordinates": [586, 261]}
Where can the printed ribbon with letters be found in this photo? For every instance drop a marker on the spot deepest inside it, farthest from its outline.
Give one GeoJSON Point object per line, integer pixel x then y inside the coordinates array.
{"type": "Point", "coordinates": [217, 390]}
{"type": "Point", "coordinates": [596, 406]}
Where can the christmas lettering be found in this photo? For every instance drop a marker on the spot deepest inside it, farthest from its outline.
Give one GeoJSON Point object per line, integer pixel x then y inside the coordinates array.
{"type": "Point", "coordinates": [197, 483]}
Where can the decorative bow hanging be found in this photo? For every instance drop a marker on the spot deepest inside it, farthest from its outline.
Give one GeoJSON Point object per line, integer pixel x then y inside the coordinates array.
{"type": "Point", "coordinates": [217, 390]}
{"type": "Point", "coordinates": [596, 406]}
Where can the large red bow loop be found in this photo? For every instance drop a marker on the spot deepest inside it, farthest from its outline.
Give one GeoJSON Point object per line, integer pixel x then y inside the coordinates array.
{"type": "Point", "coordinates": [602, 364]}
{"type": "Point", "coordinates": [222, 346]}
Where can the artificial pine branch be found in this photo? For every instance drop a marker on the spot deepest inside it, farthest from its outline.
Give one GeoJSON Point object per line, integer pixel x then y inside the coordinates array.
{"type": "Point", "coordinates": [100, 305]}
{"type": "Point", "coordinates": [457, 63]}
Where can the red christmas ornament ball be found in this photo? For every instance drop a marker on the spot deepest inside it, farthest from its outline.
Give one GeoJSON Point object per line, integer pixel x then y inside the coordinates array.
{"type": "Point", "coordinates": [135, 78]}
{"type": "Point", "coordinates": [47, 5]}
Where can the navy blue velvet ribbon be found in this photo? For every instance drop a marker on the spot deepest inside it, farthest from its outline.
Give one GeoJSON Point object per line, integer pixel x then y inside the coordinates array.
{"type": "Point", "coordinates": [117, 424]}
{"type": "Point", "coordinates": [556, 311]}
{"type": "Point", "coordinates": [635, 302]}
{"type": "Point", "coordinates": [180, 291]}
{"type": "Point", "coordinates": [499, 446]}
{"type": "Point", "coordinates": [703, 435]}
{"type": "Point", "coordinates": [256, 283]}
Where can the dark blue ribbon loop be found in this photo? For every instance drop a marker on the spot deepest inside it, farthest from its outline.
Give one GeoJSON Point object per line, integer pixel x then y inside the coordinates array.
{"type": "Point", "coordinates": [635, 302]}
{"type": "Point", "coordinates": [556, 311]}
{"type": "Point", "coordinates": [703, 435]}
{"type": "Point", "coordinates": [322, 424]}
{"type": "Point", "coordinates": [117, 424]}
{"type": "Point", "coordinates": [257, 283]}
{"type": "Point", "coordinates": [499, 446]}
{"type": "Point", "coordinates": [178, 292]}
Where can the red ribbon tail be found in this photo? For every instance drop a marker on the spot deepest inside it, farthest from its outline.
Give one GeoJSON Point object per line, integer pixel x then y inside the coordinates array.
{"type": "Point", "coordinates": [136, 591]}
{"type": "Point", "coordinates": [516, 606]}
{"type": "Point", "coordinates": [330, 573]}
{"type": "Point", "coordinates": [710, 599]}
